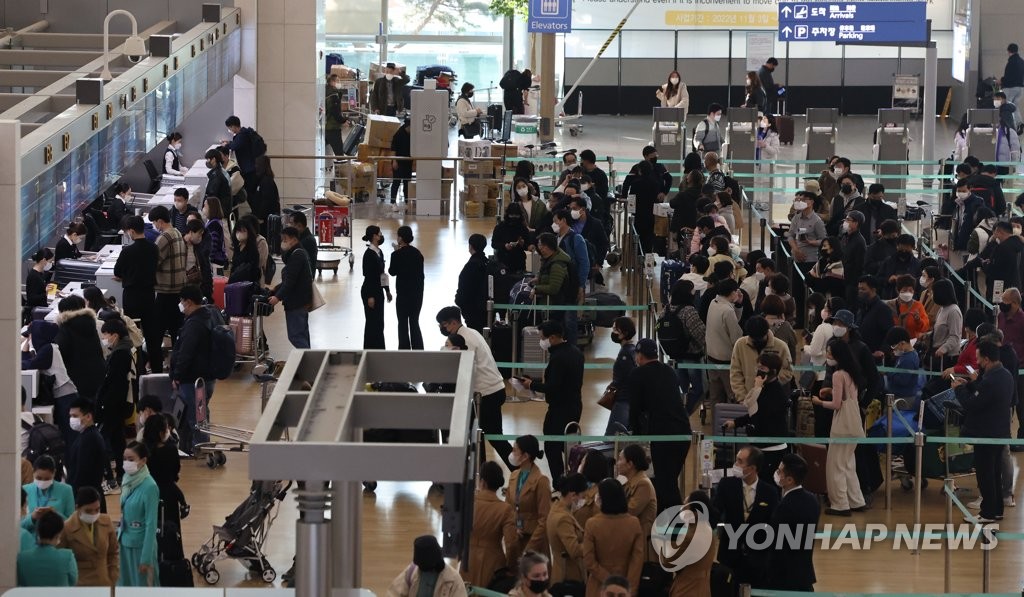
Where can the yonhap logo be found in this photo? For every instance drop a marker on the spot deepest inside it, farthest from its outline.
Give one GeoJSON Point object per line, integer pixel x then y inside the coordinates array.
{"type": "Point", "coordinates": [682, 535]}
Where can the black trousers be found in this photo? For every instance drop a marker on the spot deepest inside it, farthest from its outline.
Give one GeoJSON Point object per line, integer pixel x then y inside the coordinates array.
{"type": "Point", "coordinates": [332, 139]}
{"type": "Point", "coordinates": [989, 470]}
{"type": "Point", "coordinates": [113, 435]}
{"type": "Point", "coordinates": [554, 424]}
{"type": "Point", "coordinates": [409, 334]}
{"type": "Point", "coordinates": [167, 321]}
{"type": "Point", "coordinates": [140, 304]}
{"type": "Point", "coordinates": [490, 424]}
{"type": "Point", "coordinates": [668, 459]}
{"type": "Point", "coordinates": [401, 177]}
{"type": "Point", "coordinates": [373, 331]}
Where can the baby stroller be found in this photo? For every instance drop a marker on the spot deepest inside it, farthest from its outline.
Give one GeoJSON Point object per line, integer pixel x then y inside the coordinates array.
{"type": "Point", "coordinates": [243, 534]}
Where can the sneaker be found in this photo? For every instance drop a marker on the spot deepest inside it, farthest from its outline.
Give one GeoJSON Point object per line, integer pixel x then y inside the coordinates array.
{"type": "Point", "coordinates": [981, 519]}
{"type": "Point", "coordinates": [834, 512]}
{"type": "Point", "coordinates": [1009, 501]}
{"type": "Point", "coordinates": [975, 504]}
{"type": "Point", "coordinates": [111, 488]}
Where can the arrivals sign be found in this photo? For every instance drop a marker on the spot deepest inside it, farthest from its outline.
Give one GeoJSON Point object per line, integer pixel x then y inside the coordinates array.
{"type": "Point", "coordinates": [549, 16]}
{"type": "Point", "coordinates": [854, 22]}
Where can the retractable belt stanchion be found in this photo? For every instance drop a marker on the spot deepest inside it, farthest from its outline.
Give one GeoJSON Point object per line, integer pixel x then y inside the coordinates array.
{"type": "Point", "coordinates": [918, 478]}
{"type": "Point", "coordinates": [889, 401]}
{"type": "Point", "coordinates": [695, 441]}
{"type": "Point", "coordinates": [947, 555]}
{"type": "Point", "coordinates": [764, 225]}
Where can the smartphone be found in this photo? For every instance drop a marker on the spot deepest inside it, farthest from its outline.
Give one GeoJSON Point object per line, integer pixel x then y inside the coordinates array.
{"type": "Point", "coordinates": [970, 369]}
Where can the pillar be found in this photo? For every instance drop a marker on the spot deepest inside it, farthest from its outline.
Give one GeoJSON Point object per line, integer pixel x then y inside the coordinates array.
{"type": "Point", "coordinates": [548, 93]}
{"type": "Point", "coordinates": [10, 320]}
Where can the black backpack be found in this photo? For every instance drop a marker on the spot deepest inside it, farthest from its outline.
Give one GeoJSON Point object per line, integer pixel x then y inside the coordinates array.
{"type": "Point", "coordinates": [510, 80]}
{"type": "Point", "coordinates": [672, 334]}
{"type": "Point", "coordinates": [571, 284]}
{"type": "Point", "coordinates": [222, 346]}
{"type": "Point", "coordinates": [44, 439]}
{"type": "Point", "coordinates": [256, 142]}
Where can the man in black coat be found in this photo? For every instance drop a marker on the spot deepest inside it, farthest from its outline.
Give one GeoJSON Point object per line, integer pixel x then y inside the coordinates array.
{"type": "Point", "coordinates": [986, 400]}
{"type": "Point", "coordinates": [296, 288]}
{"type": "Point", "coordinates": [874, 317]}
{"type": "Point", "coordinates": [656, 408]}
{"type": "Point", "coordinates": [136, 270]}
{"type": "Point", "coordinates": [306, 238]}
{"type": "Point", "coordinates": [588, 161]}
{"type": "Point", "coordinates": [471, 293]}
{"type": "Point", "coordinates": [79, 345]}
{"type": "Point", "coordinates": [241, 144]}
{"type": "Point", "coordinates": [902, 263]}
{"type": "Point", "coordinates": [407, 269]}
{"type": "Point", "coordinates": [1002, 259]}
{"type": "Point", "coordinates": [562, 388]}
{"type": "Point", "coordinates": [985, 185]}
{"type": "Point", "coordinates": [401, 145]}
{"type": "Point", "coordinates": [854, 251]}
{"type": "Point", "coordinates": [650, 182]}
{"type": "Point", "coordinates": [745, 498]}
{"type": "Point", "coordinates": [875, 211]}
{"type": "Point", "coordinates": [87, 457]}
{"type": "Point", "coordinates": [217, 182]}
{"type": "Point", "coordinates": [883, 248]}
{"type": "Point", "coordinates": [190, 362]}
{"type": "Point", "coordinates": [792, 566]}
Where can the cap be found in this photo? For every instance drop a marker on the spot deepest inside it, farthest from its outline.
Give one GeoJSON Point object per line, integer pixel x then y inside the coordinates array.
{"type": "Point", "coordinates": [844, 317]}
{"type": "Point", "coordinates": [648, 348]}
{"type": "Point", "coordinates": [371, 230]}
{"type": "Point", "coordinates": [856, 216]}
{"type": "Point", "coordinates": [812, 186]}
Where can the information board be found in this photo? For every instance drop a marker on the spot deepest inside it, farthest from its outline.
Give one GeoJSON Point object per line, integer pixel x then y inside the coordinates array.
{"type": "Point", "coordinates": [549, 16]}
{"type": "Point", "coordinates": [854, 22]}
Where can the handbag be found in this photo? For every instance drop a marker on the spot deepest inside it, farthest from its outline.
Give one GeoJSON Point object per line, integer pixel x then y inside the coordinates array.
{"type": "Point", "coordinates": [471, 130]}
{"type": "Point", "coordinates": [607, 399]}
{"type": "Point", "coordinates": [318, 300]}
{"type": "Point", "coordinates": [194, 276]}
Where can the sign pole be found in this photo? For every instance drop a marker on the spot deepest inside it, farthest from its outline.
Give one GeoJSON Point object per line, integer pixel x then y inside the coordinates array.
{"type": "Point", "coordinates": [931, 75]}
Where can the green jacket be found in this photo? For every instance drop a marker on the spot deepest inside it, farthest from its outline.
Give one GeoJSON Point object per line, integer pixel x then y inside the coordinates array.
{"type": "Point", "coordinates": [59, 496]}
{"type": "Point", "coordinates": [551, 278]}
{"type": "Point", "coordinates": [333, 117]}
{"type": "Point", "coordinates": [47, 566]}
{"type": "Point", "coordinates": [139, 520]}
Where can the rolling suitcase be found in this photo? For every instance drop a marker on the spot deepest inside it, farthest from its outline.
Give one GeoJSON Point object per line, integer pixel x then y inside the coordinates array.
{"type": "Point", "coordinates": [671, 271]}
{"type": "Point", "coordinates": [725, 453]}
{"type": "Point", "coordinates": [238, 299]}
{"type": "Point", "coordinates": [816, 481]}
{"type": "Point", "coordinates": [494, 114]}
{"type": "Point", "coordinates": [605, 319]}
{"type": "Point", "coordinates": [219, 283]}
{"type": "Point", "coordinates": [574, 453]}
{"type": "Point", "coordinates": [501, 346]}
{"type": "Point", "coordinates": [354, 138]}
{"type": "Point", "coordinates": [242, 328]}
{"type": "Point", "coordinates": [274, 233]}
{"type": "Point", "coordinates": [786, 128]}
{"type": "Point", "coordinates": [531, 352]}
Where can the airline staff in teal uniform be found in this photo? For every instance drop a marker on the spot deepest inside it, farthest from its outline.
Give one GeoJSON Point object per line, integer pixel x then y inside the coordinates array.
{"type": "Point", "coordinates": [45, 494]}
{"type": "Point", "coordinates": [28, 540]}
{"type": "Point", "coordinates": [140, 499]}
{"type": "Point", "coordinates": [46, 565]}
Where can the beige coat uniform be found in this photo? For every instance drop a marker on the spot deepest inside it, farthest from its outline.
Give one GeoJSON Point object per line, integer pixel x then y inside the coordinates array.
{"type": "Point", "coordinates": [96, 553]}
{"type": "Point", "coordinates": [407, 584]}
{"type": "Point", "coordinates": [493, 521]}
{"type": "Point", "coordinates": [566, 538]}
{"type": "Point", "coordinates": [613, 545]}
{"type": "Point", "coordinates": [590, 507]}
{"type": "Point", "coordinates": [695, 580]}
{"type": "Point", "coordinates": [531, 505]}
{"type": "Point", "coordinates": [643, 503]}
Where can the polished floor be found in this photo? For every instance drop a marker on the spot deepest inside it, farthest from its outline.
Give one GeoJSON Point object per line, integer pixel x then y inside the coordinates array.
{"type": "Point", "coordinates": [398, 512]}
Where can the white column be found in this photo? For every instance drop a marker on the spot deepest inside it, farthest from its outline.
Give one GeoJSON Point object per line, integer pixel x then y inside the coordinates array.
{"type": "Point", "coordinates": [289, 83]}
{"type": "Point", "coordinates": [10, 320]}
{"type": "Point", "coordinates": [245, 80]}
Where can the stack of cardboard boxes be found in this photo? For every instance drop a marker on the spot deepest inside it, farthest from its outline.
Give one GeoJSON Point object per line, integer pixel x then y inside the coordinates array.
{"type": "Point", "coordinates": [479, 198]}
{"type": "Point", "coordinates": [360, 177]}
{"type": "Point", "coordinates": [447, 178]}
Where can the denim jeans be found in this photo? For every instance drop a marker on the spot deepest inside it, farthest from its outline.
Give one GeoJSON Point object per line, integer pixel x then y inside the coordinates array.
{"type": "Point", "coordinates": [691, 384]}
{"type": "Point", "coordinates": [618, 416]}
{"type": "Point", "coordinates": [187, 427]}
{"type": "Point", "coordinates": [297, 322]}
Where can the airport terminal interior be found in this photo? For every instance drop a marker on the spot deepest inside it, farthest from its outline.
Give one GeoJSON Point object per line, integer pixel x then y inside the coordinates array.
{"type": "Point", "coordinates": [70, 133]}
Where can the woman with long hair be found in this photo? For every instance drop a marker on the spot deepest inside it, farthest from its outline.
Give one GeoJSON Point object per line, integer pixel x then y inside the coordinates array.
{"type": "Point", "coordinates": [469, 126]}
{"type": "Point", "coordinates": [756, 97]}
{"type": "Point", "coordinates": [673, 93]}
{"type": "Point", "coordinates": [245, 256]}
{"type": "Point", "coordinates": [613, 542]}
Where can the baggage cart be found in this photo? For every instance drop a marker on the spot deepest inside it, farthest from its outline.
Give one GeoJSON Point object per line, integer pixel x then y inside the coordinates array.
{"type": "Point", "coordinates": [224, 438]}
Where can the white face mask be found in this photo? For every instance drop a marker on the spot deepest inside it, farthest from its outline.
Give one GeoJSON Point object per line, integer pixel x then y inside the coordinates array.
{"type": "Point", "coordinates": [718, 117]}
{"type": "Point", "coordinates": [48, 266]}
{"type": "Point", "coordinates": [142, 419]}
{"type": "Point", "coordinates": [830, 362]}
{"type": "Point", "coordinates": [181, 307]}
{"type": "Point", "coordinates": [337, 85]}
{"type": "Point", "coordinates": [712, 251]}
{"type": "Point", "coordinates": [923, 280]}
{"type": "Point", "coordinates": [736, 471]}
{"type": "Point", "coordinates": [389, 76]}
{"type": "Point", "coordinates": [768, 291]}
{"type": "Point", "coordinates": [75, 423]}
{"type": "Point", "coordinates": [44, 485]}
{"type": "Point", "coordinates": [177, 146]}
{"type": "Point", "coordinates": [800, 205]}
{"type": "Point", "coordinates": [777, 477]}
{"type": "Point", "coordinates": [131, 467]}
{"type": "Point", "coordinates": [88, 518]}
{"type": "Point", "coordinates": [105, 342]}
{"type": "Point", "coordinates": [514, 459]}
{"type": "Point", "coordinates": [1016, 231]}
{"type": "Point", "coordinates": [825, 314]}
{"type": "Point", "coordinates": [555, 228]}
{"type": "Point", "coordinates": [846, 227]}
{"type": "Point", "coordinates": [963, 194]}
{"type": "Point", "coordinates": [576, 214]}
{"type": "Point", "coordinates": [838, 331]}
{"type": "Point", "coordinates": [997, 103]}
{"type": "Point", "coordinates": [544, 343]}
{"type": "Point", "coordinates": [836, 173]}
{"type": "Point", "coordinates": [579, 503]}
{"type": "Point", "coordinates": [810, 313]}
{"type": "Point", "coordinates": [522, 191]}
{"type": "Point", "coordinates": [674, 80]}
{"type": "Point", "coordinates": [759, 276]}
{"type": "Point", "coordinates": [906, 297]}
{"type": "Point", "coordinates": [585, 187]}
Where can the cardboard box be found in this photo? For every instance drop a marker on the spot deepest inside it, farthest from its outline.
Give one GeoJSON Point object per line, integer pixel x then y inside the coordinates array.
{"type": "Point", "coordinates": [477, 192]}
{"type": "Point", "coordinates": [380, 130]}
{"type": "Point", "coordinates": [473, 209]}
{"type": "Point", "coordinates": [490, 208]}
{"type": "Point", "coordinates": [478, 169]}
{"type": "Point", "coordinates": [506, 150]}
{"type": "Point", "coordinates": [493, 190]}
{"type": "Point", "coordinates": [478, 148]}
{"type": "Point", "coordinates": [345, 72]}
{"type": "Point", "coordinates": [365, 151]}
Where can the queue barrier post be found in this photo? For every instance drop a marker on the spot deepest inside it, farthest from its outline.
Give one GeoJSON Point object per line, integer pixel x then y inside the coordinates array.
{"type": "Point", "coordinates": [889, 402]}
{"type": "Point", "coordinates": [764, 225]}
{"type": "Point", "coordinates": [695, 440]}
{"type": "Point", "coordinates": [490, 318]}
{"type": "Point", "coordinates": [744, 590]}
{"type": "Point", "coordinates": [986, 565]}
{"type": "Point", "coordinates": [918, 478]}
{"type": "Point", "coordinates": [947, 555]}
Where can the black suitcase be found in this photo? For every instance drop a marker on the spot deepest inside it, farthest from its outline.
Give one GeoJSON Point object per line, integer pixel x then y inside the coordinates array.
{"type": "Point", "coordinates": [355, 137]}
{"type": "Point", "coordinates": [494, 114]}
{"type": "Point", "coordinates": [274, 233]}
{"type": "Point", "coordinates": [176, 573]}
{"type": "Point", "coordinates": [786, 128]}
{"type": "Point", "coordinates": [175, 570]}
{"type": "Point", "coordinates": [501, 346]}
{"type": "Point", "coordinates": [605, 319]}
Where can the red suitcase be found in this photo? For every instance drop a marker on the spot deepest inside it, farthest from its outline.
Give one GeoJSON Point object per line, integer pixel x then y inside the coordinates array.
{"type": "Point", "coordinates": [816, 481]}
{"type": "Point", "coordinates": [219, 283]}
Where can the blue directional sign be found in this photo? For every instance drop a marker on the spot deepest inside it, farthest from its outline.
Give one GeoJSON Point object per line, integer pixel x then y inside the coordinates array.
{"type": "Point", "coordinates": [854, 22]}
{"type": "Point", "coordinates": [549, 16]}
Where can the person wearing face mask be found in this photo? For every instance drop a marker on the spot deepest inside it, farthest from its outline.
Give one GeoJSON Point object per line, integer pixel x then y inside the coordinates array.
{"type": "Point", "coordinates": [624, 334]}
{"type": "Point", "coordinates": [140, 502]}
{"type": "Point", "coordinates": [295, 294]}
{"type": "Point", "coordinates": [673, 94]}
{"type": "Point", "coordinates": [217, 180]}
{"type": "Point", "coordinates": [767, 138]}
{"type": "Point", "coordinates": [118, 206]}
{"type": "Point", "coordinates": [375, 286]}
{"type": "Point", "coordinates": [1007, 138]}
{"type": "Point", "coordinates": [595, 467]}
{"type": "Point", "coordinates": [182, 210]}
{"type": "Point", "coordinates": [723, 331]}
{"type": "Point", "coordinates": [40, 352]}
{"type": "Point", "coordinates": [511, 238]}
{"type": "Point", "coordinates": [987, 185]}
{"type": "Point", "coordinates": [494, 521]}
{"type": "Point", "coordinates": [906, 386]}
{"type": "Point", "coordinates": [407, 268]}
{"type": "Point", "coordinates": [847, 201]}
{"type": "Point", "coordinates": [534, 210]}
{"type": "Point", "coordinates": [902, 263]}
{"type": "Point", "coordinates": [844, 490]}
{"type": "Point", "coordinates": [875, 210]}
{"type": "Point", "coordinates": [468, 114]}
{"type": "Point", "coordinates": [45, 494]}
{"type": "Point", "coordinates": [968, 204]}
{"type": "Point", "coordinates": [690, 341]}
{"type": "Point", "coordinates": [756, 97]}
{"type": "Point", "coordinates": [79, 343]}
{"type": "Point", "coordinates": [613, 542]}
{"type": "Point", "coordinates": [245, 256]}
{"type": "Point", "coordinates": [828, 275]}
{"type": "Point", "coordinates": [651, 183]}
{"type": "Point", "coordinates": [198, 270]}
{"type": "Point", "coordinates": [746, 496]}
{"type": "Point", "coordinates": [883, 249]}
{"type": "Point", "coordinates": [854, 252]}
{"type": "Point", "coordinates": [874, 318]}
{"type": "Point", "coordinates": [173, 162]}
{"type": "Point", "coordinates": [947, 326]}
{"type": "Point", "coordinates": [529, 493]}
{"type": "Point", "coordinates": [593, 234]}
{"type": "Point", "coordinates": [656, 407]}
{"type": "Point", "coordinates": [565, 534]}
{"type": "Point", "coordinates": [389, 90]}
{"type": "Point", "coordinates": [767, 402]}
{"type": "Point", "coordinates": [170, 279]}
{"type": "Point", "coordinates": [165, 467]}
{"type": "Point", "coordinates": [844, 327]}
{"type": "Point", "coordinates": [88, 457]}
{"type": "Point", "coordinates": [748, 349]}
{"type": "Point", "coordinates": [631, 465]}
{"type": "Point", "coordinates": [828, 188]}
{"type": "Point", "coordinates": [334, 116]}
{"type": "Point", "coordinates": [533, 579]}
{"type": "Point", "coordinates": [35, 280]}
{"type": "Point", "coordinates": [929, 275]}
{"type": "Point", "coordinates": [67, 246]}
{"type": "Point", "coordinates": [815, 348]}
{"type": "Point", "coordinates": [92, 538]}
{"type": "Point", "coordinates": [136, 269]}
{"type": "Point", "coordinates": [908, 312]}
{"type": "Point", "coordinates": [1002, 258]}
{"type": "Point", "coordinates": [558, 282]}
{"type": "Point", "coordinates": [471, 293]}
{"type": "Point", "coordinates": [1011, 323]}
{"type": "Point", "coordinates": [707, 135]}
{"type": "Point", "coordinates": [190, 361]}
{"type": "Point", "coordinates": [684, 203]}
{"type": "Point", "coordinates": [562, 387]}
{"type": "Point", "coordinates": [791, 567]}
{"type": "Point", "coordinates": [46, 565]}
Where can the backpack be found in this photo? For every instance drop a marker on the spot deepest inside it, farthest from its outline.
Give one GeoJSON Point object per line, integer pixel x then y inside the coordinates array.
{"type": "Point", "coordinates": [510, 80]}
{"type": "Point", "coordinates": [222, 347]}
{"type": "Point", "coordinates": [672, 334]}
{"type": "Point", "coordinates": [44, 439]}
{"type": "Point", "coordinates": [256, 142]}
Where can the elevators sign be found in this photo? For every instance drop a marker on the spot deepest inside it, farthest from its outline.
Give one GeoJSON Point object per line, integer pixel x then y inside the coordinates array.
{"type": "Point", "coordinates": [549, 16]}
{"type": "Point", "coordinates": [332, 221]}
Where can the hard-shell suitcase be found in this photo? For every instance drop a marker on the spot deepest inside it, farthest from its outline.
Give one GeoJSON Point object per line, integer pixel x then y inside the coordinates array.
{"type": "Point", "coordinates": [219, 284]}
{"type": "Point", "coordinates": [804, 417]}
{"type": "Point", "coordinates": [242, 328]}
{"type": "Point", "coordinates": [725, 453]}
{"type": "Point", "coordinates": [274, 233]}
{"type": "Point", "coordinates": [494, 114]}
{"type": "Point", "coordinates": [354, 138]}
{"type": "Point", "coordinates": [605, 319]}
{"type": "Point", "coordinates": [238, 299]}
{"type": "Point", "coordinates": [501, 346]}
{"type": "Point", "coordinates": [815, 481]}
{"type": "Point", "coordinates": [671, 271]}
{"type": "Point", "coordinates": [786, 128]}
{"type": "Point", "coordinates": [575, 452]}
{"type": "Point", "coordinates": [532, 352]}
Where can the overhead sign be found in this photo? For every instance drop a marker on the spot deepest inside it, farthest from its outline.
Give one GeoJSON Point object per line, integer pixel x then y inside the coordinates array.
{"type": "Point", "coordinates": [549, 16]}
{"type": "Point", "coordinates": [760, 47]}
{"type": "Point", "coordinates": [854, 22]}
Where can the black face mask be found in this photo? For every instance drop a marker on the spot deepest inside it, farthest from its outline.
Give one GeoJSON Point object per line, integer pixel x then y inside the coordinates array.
{"type": "Point", "coordinates": [847, 189]}
{"type": "Point", "coordinates": [443, 331]}
{"type": "Point", "coordinates": [616, 338]}
{"type": "Point", "coordinates": [653, 160]}
{"type": "Point", "coordinates": [904, 255]}
{"type": "Point", "coordinates": [470, 94]}
{"type": "Point", "coordinates": [759, 344]}
{"type": "Point", "coordinates": [1004, 307]}
{"type": "Point", "coordinates": [863, 297]}
{"type": "Point", "coordinates": [539, 586]}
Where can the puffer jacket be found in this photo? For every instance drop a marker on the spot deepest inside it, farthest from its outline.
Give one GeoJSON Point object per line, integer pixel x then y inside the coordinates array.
{"type": "Point", "coordinates": [80, 347]}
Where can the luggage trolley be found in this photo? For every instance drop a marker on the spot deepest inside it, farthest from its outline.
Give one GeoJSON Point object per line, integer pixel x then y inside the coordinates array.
{"type": "Point", "coordinates": [224, 438]}
{"type": "Point", "coordinates": [250, 340]}
{"type": "Point", "coordinates": [332, 221]}
{"type": "Point", "coordinates": [939, 416]}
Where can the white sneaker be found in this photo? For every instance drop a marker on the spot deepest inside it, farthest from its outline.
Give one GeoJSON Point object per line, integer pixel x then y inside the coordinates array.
{"type": "Point", "coordinates": [1009, 501]}
{"type": "Point", "coordinates": [975, 505]}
